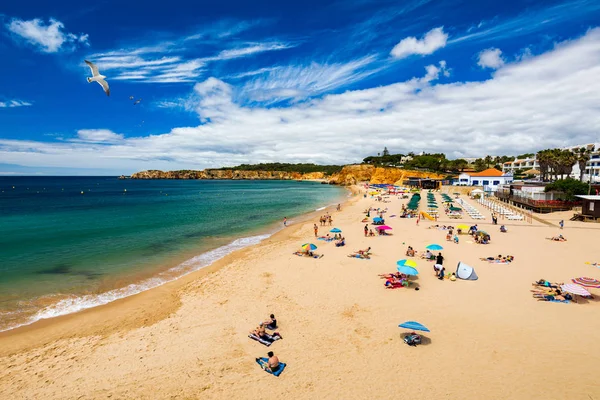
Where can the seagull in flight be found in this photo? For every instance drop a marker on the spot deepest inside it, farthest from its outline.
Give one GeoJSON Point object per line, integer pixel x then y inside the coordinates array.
{"type": "Point", "coordinates": [97, 77]}
{"type": "Point", "coordinates": [137, 101]}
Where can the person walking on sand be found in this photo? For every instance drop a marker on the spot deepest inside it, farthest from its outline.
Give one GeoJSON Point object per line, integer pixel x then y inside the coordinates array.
{"type": "Point", "coordinates": [366, 230]}
{"type": "Point", "coordinates": [418, 219]}
{"type": "Point", "coordinates": [316, 228]}
{"type": "Point", "coordinates": [561, 224]}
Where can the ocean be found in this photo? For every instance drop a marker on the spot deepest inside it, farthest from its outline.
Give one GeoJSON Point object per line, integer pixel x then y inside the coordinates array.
{"type": "Point", "coordinates": [71, 243]}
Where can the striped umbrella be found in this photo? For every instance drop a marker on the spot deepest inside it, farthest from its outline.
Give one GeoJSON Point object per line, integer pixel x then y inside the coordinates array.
{"type": "Point", "coordinates": [574, 289]}
{"type": "Point", "coordinates": [587, 282]}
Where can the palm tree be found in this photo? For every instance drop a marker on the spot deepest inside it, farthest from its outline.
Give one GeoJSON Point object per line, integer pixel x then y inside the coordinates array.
{"type": "Point", "coordinates": [543, 159]}
{"type": "Point", "coordinates": [488, 160]}
{"type": "Point", "coordinates": [583, 156]}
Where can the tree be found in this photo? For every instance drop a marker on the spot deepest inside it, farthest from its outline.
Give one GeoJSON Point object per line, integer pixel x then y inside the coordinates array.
{"type": "Point", "coordinates": [460, 164]}
{"type": "Point", "coordinates": [583, 156]}
{"type": "Point", "coordinates": [479, 165]}
{"type": "Point", "coordinates": [488, 160]}
{"type": "Point", "coordinates": [570, 187]}
{"type": "Point", "coordinates": [385, 152]}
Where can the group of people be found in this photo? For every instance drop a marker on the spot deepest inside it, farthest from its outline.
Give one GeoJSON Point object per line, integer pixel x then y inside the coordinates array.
{"type": "Point", "coordinates": [272, 363]}
{"type": "Point", "coordinates": [325, 219]}
{"type": "Point", "coordinates": [499, 259]}
{"type": "Point", "coordinates": [547, 291]}
{"type": "Point", "coordinates": [395, 280]}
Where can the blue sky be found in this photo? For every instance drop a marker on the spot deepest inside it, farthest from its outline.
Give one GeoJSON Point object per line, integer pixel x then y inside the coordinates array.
{"type": "Point", "coordinates": [229, 82]}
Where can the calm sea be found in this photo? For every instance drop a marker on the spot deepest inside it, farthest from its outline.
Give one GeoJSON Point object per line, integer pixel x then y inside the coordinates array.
{"type": "Point", "coordinates": [70, 243]}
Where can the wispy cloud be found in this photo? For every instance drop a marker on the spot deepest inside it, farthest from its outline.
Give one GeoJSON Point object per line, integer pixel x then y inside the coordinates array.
{"type": "Point", "coordinates": [298, 82]}
{"type": "Point", "coordinates": [490, 58]}
{"type": "Point", "coordinates": [532, 20]}
{"type": "Point", "coordinates": [433, 40]}
{"type": "Point", "coordinates": [97, 136]}
{"type": "Point", "coordinates": [251, 50]}
{"type": "Point", "coordinates": [14, 103]}
{"type": "Point", "coordinates": [46, 37]}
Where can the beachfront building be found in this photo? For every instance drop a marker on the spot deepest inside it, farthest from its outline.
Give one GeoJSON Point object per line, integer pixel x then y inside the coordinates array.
{"type": "Point", "coordinates": [532, 196]}
{"type": "Point", "coordinates": [590, 209]}
{"type": "Point", "coordinates": [592, 169]}
{"type": "Point", "coordinates": [490, 179]}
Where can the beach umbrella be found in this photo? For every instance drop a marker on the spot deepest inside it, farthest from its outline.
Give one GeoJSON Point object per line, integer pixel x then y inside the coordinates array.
{"type": "Point", "coordinates": [408, 263]}
{"type": "Point", "coordinates": [587, 282]}
{"type": "Point", "coordinates": [335, 230]}
{"type": "Point", "coordinates": [309, 246]}
{"type": "Point", "coordinates": [434, 247]}
{"type": "Point", "coordinates": [452, 208]}
{"type": "Point", "coordinates": [406, 270]}
{"type": "Point", "coordinates": [377, 219]}
{"type": "Point", "coordinates": [432, 206]}
{"type": "Point", "coordinates": [413, 325]}
{"type": "Point", "coordinates": [383, 227]}
{"type": "Point", "coordinates": [574, 289]}
{"type": "Point", "coordinates": [462, 227]}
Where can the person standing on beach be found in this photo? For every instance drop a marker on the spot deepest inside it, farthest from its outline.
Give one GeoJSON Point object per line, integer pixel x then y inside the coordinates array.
{"type": "Point", "coordinates": [440, 259]}
{"type": "Point", "coordinates": [284, 221]}
{"type": "Point", "coordinates": [316, 228]}
{"type": "Point", "coordinates": [366, 230]}
{"type": "Point", "coordinates": [561, 224]}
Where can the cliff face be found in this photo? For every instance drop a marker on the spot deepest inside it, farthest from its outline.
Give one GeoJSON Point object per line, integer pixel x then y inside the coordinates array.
{"type": "Point", "coordinates": [226, 174]}
{"type": "Point", "coordinates": [351, 174]}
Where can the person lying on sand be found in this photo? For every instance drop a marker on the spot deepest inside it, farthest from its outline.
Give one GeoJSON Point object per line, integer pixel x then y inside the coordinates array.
{"type": "Point", "coordinates": [366, 251]}
{"type": "Point", "coordinates": [308, 254]}
{"type": "Point", "coordinates": [550, 297]}
{"type": "Point", "coordinates": [357, 255]}
{"type": "Point", "coordinates": [259, 330]}
{"type": "Point", "coordinates": [559, 238]}
{"type": "Point", "coordinates": [545, 283]}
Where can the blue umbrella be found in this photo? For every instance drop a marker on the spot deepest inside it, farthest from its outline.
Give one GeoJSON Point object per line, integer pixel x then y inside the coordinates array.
{"type": "Point", "coordinates": [413, 325]}
{"type": "Point", "coordinates": [335, 230]}
{"type": "Point", "coordinates": [406, 270]}
{"type": "Point", "coordinates": [434, 247]}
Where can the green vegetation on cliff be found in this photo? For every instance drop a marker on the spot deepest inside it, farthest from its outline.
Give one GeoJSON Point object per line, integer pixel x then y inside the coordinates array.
{"type": "Point", "coordinates": [285, 167]}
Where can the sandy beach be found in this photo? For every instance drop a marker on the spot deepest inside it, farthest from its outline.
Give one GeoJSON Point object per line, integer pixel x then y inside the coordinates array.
{"type": "Point", "coordinates": [188, 339]}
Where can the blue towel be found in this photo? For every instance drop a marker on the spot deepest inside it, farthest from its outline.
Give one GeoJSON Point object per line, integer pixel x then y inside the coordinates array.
{"type": "Point", "coordinates": [560, 301]}
{"type": "Point", "coordinates": [263, 361]}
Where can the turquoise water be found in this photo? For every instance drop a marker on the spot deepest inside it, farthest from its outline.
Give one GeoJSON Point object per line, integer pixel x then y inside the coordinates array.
{"type": "Point", "coordinates": [69, 243]}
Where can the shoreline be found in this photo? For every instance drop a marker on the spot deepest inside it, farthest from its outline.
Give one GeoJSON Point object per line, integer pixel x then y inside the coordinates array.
{"type": "Point", "coordinates": [273, 232]}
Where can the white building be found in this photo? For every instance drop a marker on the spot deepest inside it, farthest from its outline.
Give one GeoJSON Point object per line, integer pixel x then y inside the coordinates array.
{"type": "Point", "coordinates": [490, 179]}
{"type": "Point", "coordinates": [593, 165]}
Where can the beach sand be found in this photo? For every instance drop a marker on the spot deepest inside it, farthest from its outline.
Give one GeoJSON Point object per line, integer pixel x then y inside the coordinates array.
{"type": "Point", "coordinates": [188, 339]}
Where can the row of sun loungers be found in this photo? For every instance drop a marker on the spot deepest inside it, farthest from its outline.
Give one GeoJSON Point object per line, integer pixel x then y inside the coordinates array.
{"type": "Point", "coordinates": [500, 209]}
{"type": "Point", "coordinates": [469, 209]}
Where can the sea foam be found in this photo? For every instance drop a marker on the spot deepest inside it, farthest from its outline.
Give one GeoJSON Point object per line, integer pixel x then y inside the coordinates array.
{"type": "Point", "coordinates": [79, 303]}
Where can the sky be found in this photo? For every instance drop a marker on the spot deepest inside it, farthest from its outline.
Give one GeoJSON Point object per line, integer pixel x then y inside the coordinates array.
{"type": "Point", "coordinates": [230, 82]}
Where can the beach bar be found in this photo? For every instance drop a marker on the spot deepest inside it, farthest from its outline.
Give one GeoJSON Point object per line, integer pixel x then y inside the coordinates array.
{"type": "Point", "coordinates": [590, 209]}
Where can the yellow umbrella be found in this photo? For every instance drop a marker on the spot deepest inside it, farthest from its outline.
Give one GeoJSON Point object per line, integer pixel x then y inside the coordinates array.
{"type": "Point", "coordinates": [462, 227]}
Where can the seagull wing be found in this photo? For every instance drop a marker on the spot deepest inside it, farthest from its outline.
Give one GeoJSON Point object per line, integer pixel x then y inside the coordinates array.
{"type": "Point", "coordinates": [104, 85]}
{"type": "Point", "coordinates": [93, 68]}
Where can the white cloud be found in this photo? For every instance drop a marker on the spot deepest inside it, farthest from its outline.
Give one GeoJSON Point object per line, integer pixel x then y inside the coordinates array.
{"type": "Point", "coordinates": [49, 38]}
{"type": "Point", "coordinates": [14, 103]}
{"type": "Point", "coordinates": [98, 136]}
{"type": "Point", "coordinates": [548, 100]}
{"type": "Point", "coordinates": [490, 58]}
{"type": "Point", "coordinates": [251, 50]}
{"type": "Point", "coordinates": [433, 40]}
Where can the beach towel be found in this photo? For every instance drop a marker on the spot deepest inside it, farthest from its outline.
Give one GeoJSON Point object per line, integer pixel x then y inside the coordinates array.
{"type": "Point", "coordinates": [325, 239]}
{"type": "Point", "coordinates": [263, 362]}
{"type": "Point", "coordinates": [559, 301]}
{"type": "Point", "coordinates": [267, 340]}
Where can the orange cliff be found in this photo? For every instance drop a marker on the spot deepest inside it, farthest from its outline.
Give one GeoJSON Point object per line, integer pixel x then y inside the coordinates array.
{"type": "Point", "coordinates": [352, 174]}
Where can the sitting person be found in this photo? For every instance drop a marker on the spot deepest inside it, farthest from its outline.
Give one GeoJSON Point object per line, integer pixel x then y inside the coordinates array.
{"type": "Point", "coordinates": [366, 251]}
{"type": "Point", "coordinates": [428, 255]}
{"type": "Point", "coordinates": [456, 239]}
{"type": "Point", "coordinates": [271, 323]}
{"type": "Point", "coordinates": [449, 236]}
{"type": "Point", "coordinates": [503, 229]}
{"type": "Point", "coordinates": [273, 362]}
{"type": "Point", "coordinates": [371, 233]}
{"type": "Point", "coordinates": [341, 242]}
{"type": "Point", "coordinates": [410, 252]}
{"type": "Point", "coordinates": [453, 276]}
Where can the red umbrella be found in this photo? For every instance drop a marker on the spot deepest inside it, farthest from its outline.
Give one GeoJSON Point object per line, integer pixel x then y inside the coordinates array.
{"type": "Point", "coordinates": [383, 228]}
{"type": "Point", "coordinates": [587, 282]}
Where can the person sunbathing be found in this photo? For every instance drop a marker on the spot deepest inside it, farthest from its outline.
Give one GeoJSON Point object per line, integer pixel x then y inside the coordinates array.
{"type": "Point", "coordinates": [371, 233]}
{"type": "Point", "coordinates": [359, 255]}
{"type": "Point", "coordinates": [559, 238]}
{"type": "Point", "coordinates": [367, 251]}
{"type": "Point", "coordinates": [410, 252]}
{"type": "Point", "coordinates": [545, 283]}
{"type": "Point", "coordinates": [259, 330]}
{"type": "Point", "coordinates": [340, 243]}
